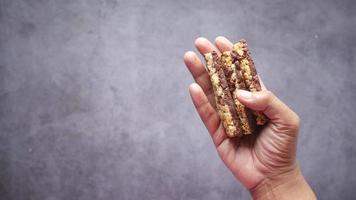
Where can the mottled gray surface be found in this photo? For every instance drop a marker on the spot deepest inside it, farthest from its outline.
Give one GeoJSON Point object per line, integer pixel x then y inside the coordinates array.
{"type": "Point", "coordinates": [94, 101]}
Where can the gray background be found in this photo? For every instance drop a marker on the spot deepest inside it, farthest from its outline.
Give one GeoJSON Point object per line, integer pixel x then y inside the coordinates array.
{"type": "Point", "coordinates": [94, 101]}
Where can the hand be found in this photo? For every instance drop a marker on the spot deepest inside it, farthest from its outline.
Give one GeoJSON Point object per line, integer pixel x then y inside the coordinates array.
{"type": "Point", "coordinates": [267, 154]}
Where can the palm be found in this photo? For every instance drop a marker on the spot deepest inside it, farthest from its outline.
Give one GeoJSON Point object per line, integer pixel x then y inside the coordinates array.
{"type": "Point", "coordinates": [252, 157]}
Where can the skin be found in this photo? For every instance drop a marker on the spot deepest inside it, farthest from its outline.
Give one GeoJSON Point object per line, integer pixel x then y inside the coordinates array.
{"type": "Point", "coordinates": [268, 153]}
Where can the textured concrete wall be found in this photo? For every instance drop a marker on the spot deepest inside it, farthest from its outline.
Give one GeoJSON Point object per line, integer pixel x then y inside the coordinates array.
{"type": "Point", "coordinates": [94, 101]}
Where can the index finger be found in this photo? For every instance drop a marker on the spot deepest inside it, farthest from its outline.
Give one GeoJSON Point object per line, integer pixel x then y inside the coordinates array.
{"type": "Point", "coordinates": [205, 46]}
{"type": "Point", "coordinates": [223, 44]}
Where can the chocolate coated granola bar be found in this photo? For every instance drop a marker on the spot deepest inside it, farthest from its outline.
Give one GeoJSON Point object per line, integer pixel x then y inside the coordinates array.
{"type": "Point", "coordinates": [235, 81]}
{"type": "Point", "coordinates": [224, 101]}
{"type": "Point", "coordinates": [229, 72]}
{"type": "Point", "coordinates": [242, 59]}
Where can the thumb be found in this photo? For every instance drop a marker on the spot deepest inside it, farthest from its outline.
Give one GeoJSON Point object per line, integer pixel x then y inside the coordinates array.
{"type": "Point", "coordinates": [265, 101]}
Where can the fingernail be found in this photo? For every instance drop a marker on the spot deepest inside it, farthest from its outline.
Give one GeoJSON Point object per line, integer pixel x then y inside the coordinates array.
{"type": "Point", "coordinates": [245, 94]}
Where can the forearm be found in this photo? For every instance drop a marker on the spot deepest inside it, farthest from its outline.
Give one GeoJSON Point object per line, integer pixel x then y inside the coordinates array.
{"type": "Point", "coordinates": [291, 185]}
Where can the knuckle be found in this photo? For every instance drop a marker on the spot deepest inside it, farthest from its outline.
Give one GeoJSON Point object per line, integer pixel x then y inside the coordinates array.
{"type": "Point", "coordinates": [294, 122]}
{"type": "Point", "coordinates": [269, 97]}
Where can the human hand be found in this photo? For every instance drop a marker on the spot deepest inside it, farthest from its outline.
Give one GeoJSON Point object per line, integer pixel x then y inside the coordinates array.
{"type": "Point", "coordinates": [268, 156]}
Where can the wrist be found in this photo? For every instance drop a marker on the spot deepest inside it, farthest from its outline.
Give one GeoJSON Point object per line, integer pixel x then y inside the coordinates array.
{"type": "Point", "coordinates": [288, 185]}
